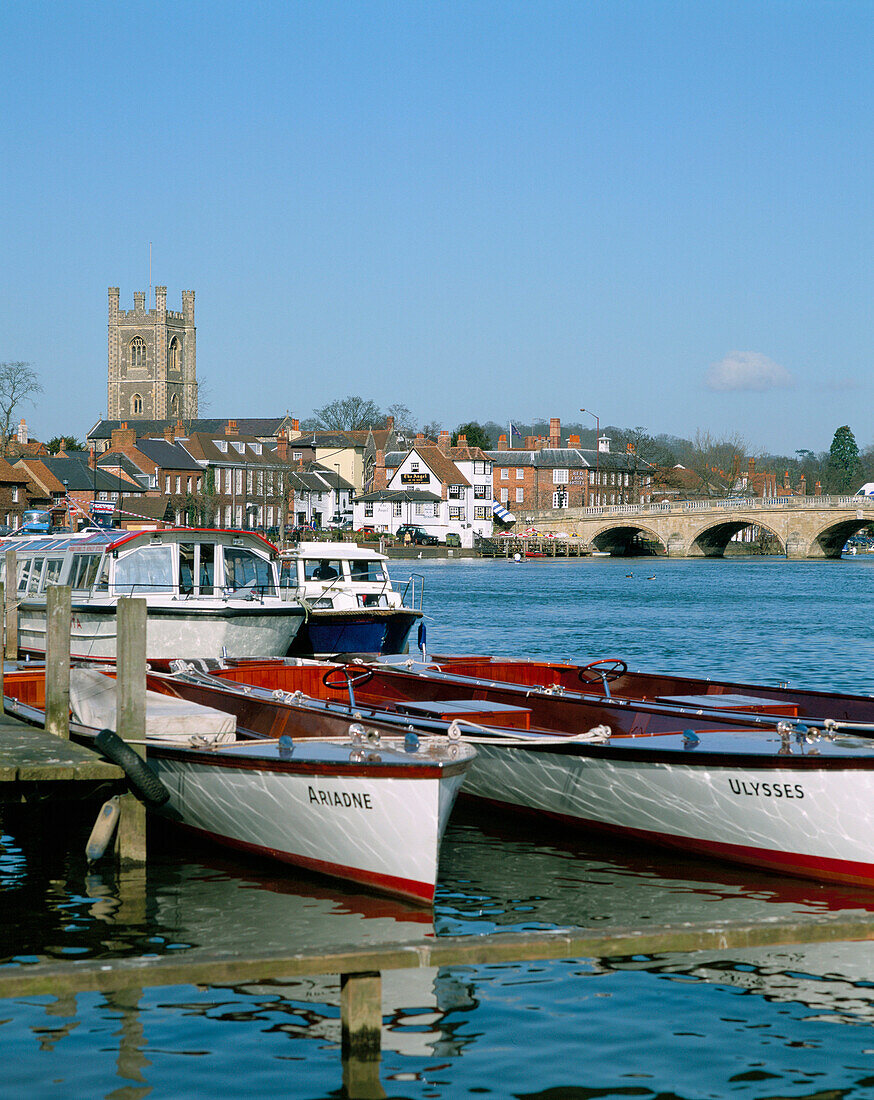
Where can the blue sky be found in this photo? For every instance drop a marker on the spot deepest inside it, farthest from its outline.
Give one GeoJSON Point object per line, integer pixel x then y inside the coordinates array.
{"type": "Point", "coordinates": [659, 211]}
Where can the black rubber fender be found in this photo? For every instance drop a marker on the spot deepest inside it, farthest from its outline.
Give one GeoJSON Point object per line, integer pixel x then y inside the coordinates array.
{"type": "Point", "coordinates": [143, 781]}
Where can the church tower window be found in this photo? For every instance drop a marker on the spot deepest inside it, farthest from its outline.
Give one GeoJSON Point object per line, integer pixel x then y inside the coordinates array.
{"type": "Point", "coordinates": [136, 404]}
{"type": "Point", "coordinates": [174, 356]}
{"type": "Point", "coordinates": [137, 353]}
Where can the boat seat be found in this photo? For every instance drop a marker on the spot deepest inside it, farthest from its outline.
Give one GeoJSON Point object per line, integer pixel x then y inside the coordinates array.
{"type": "Point", "coordinates": [482, 711]}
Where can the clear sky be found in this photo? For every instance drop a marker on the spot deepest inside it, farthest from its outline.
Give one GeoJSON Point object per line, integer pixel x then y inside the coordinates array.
{"type": "Point", "coordinates": [661, 211]}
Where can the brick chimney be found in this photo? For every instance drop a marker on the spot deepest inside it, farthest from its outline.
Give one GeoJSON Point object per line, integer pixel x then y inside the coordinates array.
{"type": "Point", "coordinates": [817, 489]}
{"type": "Point", "coordinates": [502, 443]}
{"type": "Point", "coordinates": [389, 423]}
{"type": "Point", "coordinates": [123, 437]}
{"type": "Point", "coordinates": [573, 441]}
{"type": "Point", "coordinates": [786, 486]}
{"type": "Point", "coordinates": [462, 441]}
{"type": "Point", "coordinates": [231, 427]}
{"type": "Point", "coordinates": [420, 438]}
{"type": "Point", "coordinates": [282, 445]}
{"type": "Point", "coordinates": [554, 432]}
{"type": "Point", "coordinates": [295, 425]}
{"type": "Point", "coordinates": [802, 486]}
{"type": "Point", "coordinates": [530, 442]}
{"type": "Point", "coordinates": [443, 441]}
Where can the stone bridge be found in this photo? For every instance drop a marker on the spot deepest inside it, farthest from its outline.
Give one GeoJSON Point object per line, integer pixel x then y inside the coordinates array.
{"type": "Point", "coordinates": [805, 527]}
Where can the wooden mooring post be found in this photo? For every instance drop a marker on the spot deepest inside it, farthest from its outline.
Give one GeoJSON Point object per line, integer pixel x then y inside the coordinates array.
{"type": "Point", "coordinates": [130, 720]}
{"type": "Point", "coordinates": [10, 605]}
{"type": "Point", "coordinates": [58, 603]}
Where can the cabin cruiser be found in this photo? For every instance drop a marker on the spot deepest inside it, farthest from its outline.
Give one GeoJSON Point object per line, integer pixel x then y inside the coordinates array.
{"type": "Point", "coordinates": [348, 600]}
{"type": "Point", "coordinates": [209, 593]}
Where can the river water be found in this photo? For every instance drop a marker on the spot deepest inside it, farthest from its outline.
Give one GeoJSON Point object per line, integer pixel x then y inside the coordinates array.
{"type": "Point", "coordinates": [778, 1022]}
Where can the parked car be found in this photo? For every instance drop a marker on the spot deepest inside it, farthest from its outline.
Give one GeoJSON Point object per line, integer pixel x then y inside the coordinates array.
{"type": "Point", "coordinates": [418, 535]}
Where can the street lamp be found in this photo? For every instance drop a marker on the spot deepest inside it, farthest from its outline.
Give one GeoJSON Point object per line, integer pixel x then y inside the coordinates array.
{"type": "Point", "coordinates": [597, 449]}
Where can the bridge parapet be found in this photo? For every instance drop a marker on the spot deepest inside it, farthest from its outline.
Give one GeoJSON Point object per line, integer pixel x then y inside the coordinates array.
{"type": "Point", "coordinates": [718, 504]}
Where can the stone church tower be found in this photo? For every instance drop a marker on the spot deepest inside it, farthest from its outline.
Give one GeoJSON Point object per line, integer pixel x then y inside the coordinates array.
{"type": "Point", "coordinates": [152, 359]}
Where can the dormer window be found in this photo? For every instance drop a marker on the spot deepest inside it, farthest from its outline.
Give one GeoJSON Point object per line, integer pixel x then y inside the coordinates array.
{"type": "Point", "coordinates": [222, 445]}
{"type": "Point", "coordinates": [256, 447]}
{"type": "Point", "coordinates": [238, 447]}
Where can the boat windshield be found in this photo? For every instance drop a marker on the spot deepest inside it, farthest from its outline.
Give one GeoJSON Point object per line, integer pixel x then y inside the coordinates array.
{"type": "Point", "coordinates": [247, 573]}
{"type": "Point", "coordinates": [364, 570]}
{"type": "Point", "coordinates": [144, 570]}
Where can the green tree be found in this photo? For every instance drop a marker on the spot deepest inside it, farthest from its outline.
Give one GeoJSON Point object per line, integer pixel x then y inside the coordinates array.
{"type": "Point", "coordinates": [843, 465]}
{"type": "Point", "coordinates": [60, 443]}
{"type": "Point", "coordinates": [475, 434]}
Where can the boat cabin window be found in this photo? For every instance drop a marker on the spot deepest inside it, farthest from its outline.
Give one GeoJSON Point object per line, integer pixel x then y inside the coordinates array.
{"type": "Point", "coordinates": [83, 571]}
{"type": "Point", "coordinates": [322, 569]}
{"type": "Point", "coordinates": [196, 560]}
{"type": "Point", "coordinates": [34, 575]}
{"type": "Point", "coordinates": [144, 570]}
{"type": "Point", "coordinates": [207, 568]}
{"type": "Point", "coordinates": [186, 568]}
{"type": "Point", "coordinates": [287, 573]}
{"type": "Point", "coordinates": [246, 573]}
{"type": "Point", "coordinates": [53, 571]}
{"type": "Point", "coordinates": [102, 584]}
{"type": "Point", "coordinates": [364, 569]}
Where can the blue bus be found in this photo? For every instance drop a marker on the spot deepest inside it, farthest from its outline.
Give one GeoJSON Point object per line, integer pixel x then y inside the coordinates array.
{"type": "Point", "coordinates": [35, 521]}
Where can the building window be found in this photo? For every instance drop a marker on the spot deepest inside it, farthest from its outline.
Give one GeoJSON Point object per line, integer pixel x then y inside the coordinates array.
{"type": "Point", "coordinates": [136, 404]}
{"type": "Point", "coordinates": [455, 513]}
{"type": "Point", "coordinates": [397, 508]}
{"type": "Point", "coordinates": [481, 513]}
{"type": "Point", "coordinates": [480, 467]}
{"type": "Point", "coordinates": [174, 355]}
{"type": "Point", "coordinates": [455, 492]}
{"type": "Point", "coordinates": [167, 484]}
{"type": "Point", "coordinates": [520, 473]}
{"type": "Point", "coordinates": [296, 456]}
{"type": "Point", "coordinates": [505, 496]}
{"type": "Point", "coordinates": [15, 494]}
{"type": "Point", "coordinates": [174, 404]}
{"type": "Point", "coordinates": [481, 492]}
{"type": "Point", "coordinates": [178, 483]}
{"type": "Point", "coordinates": [414, 467]}
{"type": "Point", "coordinates": [222, 445]}
{"type": "Point", "coordinates": [368, 510]}
{"type": "Point", "coordinates": [137, 353]}
{"type": "Point", "coordinates": [505, 473]}
{"type": "Point", "coordinates": [520, 496]}
{"type": "Point", "coordinates": [559, 499]}
{"type": "Point", "coordinates": [559, 477]}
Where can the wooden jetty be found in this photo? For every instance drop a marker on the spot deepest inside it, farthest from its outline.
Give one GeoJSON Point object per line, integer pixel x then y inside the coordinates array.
{"type": "Point", "coordinates": [533, 546]}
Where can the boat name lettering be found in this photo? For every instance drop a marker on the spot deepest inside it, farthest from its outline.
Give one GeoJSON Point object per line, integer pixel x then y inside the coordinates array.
{"type": "Point", "coordinates": [336, 798]}
{"type": "Point", "coordinates": [766, 790]}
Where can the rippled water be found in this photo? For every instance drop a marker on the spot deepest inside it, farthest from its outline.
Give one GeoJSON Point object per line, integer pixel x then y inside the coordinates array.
{"type": "Point", "coordinates": [793, 1022]}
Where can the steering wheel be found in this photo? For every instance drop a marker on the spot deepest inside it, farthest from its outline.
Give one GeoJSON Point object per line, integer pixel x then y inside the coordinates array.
{"type": "Point", "coordinates": [604, 671]}
{"type": "Point", "coordinates": [350, 679]}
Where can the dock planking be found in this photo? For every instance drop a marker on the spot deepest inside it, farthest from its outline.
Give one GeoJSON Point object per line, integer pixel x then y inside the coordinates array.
{"type": "Point", "coordinates": [30, 755]}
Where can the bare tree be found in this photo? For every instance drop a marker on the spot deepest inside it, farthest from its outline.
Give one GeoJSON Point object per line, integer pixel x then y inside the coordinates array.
{"type": "Point", "coordinates": [347, 414]}
{"type": "Point", "coordinates": [18, 383]}
{"type": "Point", "coordinates": [716, 461]}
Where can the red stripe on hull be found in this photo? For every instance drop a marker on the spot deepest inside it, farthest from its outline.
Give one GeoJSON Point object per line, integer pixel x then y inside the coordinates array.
{"type": "Point", "coordinates": [819, 868]}
{"type": "Point", "coordinates": [409, 889]}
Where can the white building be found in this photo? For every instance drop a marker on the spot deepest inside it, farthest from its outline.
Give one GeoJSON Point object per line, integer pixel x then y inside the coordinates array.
{"type": "Point", "coordinates": [445, 490]}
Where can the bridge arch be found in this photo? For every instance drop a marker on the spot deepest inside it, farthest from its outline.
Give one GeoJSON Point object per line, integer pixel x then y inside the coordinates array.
{"type": "Point", "coordinates": [626, 538]}
{"type": "Point", "coordinates": [829, 541]}
{"type": "Point", "coordinates": [712, 539]}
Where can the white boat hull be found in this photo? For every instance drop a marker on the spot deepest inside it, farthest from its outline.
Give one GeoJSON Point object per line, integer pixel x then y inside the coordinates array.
{"type": "Point", "coordinates": [814, 822]}
{"type": "Point", "coordinates": [226, 630]}
{"type": "Point", "coordinates": [384, 833]}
